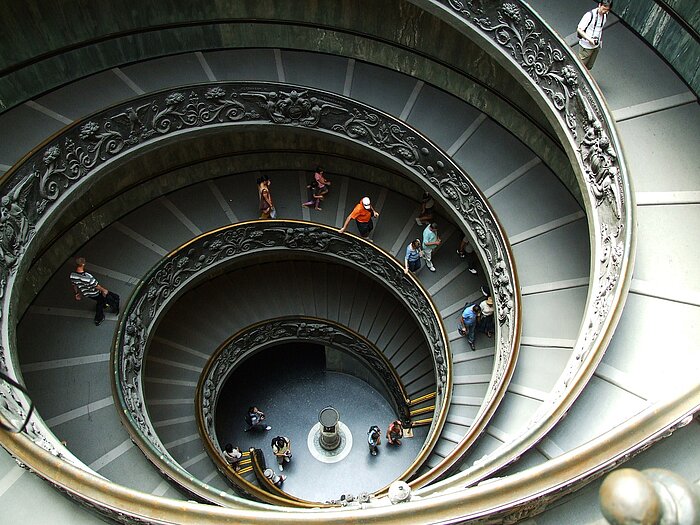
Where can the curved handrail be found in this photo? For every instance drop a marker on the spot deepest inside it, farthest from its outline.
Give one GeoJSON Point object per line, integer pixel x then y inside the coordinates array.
{"type": "Point", "coordinates": [506, 500]}
{"type": "Point", "coordinates": [258, 462]}
{"type": "Point", "coordinates": [261, 335]}
{"type": "Point", "coordinates": [213, 252]}
{"type": "Point", "coordinates": [520, 39]}
{"type": "Point", "coordinates": [532, 52]}
{"type": "Point", "coordinates": [265, 490]}
{"type": "Point", "coordinates": [37, 187]}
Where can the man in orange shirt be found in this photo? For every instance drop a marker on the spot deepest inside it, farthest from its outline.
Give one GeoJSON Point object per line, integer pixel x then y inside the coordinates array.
{"type": "Point", "coordinates": [363, 214]}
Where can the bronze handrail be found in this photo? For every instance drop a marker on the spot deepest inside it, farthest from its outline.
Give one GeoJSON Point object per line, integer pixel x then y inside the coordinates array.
{"type": "Point", "coordinates": [214, 250]}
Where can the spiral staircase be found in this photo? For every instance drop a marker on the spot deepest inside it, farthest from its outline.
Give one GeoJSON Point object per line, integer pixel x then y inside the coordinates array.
{"type": "Point", "coordinates": [494, 132]}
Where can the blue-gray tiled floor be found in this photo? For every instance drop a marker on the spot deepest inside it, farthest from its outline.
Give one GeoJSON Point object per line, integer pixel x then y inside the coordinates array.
{"type": "Point", "coordinates": [291, 387]}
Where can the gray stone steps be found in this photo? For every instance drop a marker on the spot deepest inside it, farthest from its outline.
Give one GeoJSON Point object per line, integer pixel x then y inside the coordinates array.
{"type": "Point", "coordinates": [166, 222]}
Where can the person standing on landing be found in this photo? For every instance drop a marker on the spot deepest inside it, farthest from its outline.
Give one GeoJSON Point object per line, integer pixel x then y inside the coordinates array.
{"type": "Point", "coordinates": [590, 32]}
{"type": "Point", "coordinates": [85, 285]}
{"type": "Point", "coordinates": [254, 418]}
{"type": "Point", "coordinates": [282, 449]}
{"type": "Point", "coordinates": [374, 439]}
{"type": "Point", "coordinates": [363, 214]}
{"type": "Point", "coordinates": [394, 433]}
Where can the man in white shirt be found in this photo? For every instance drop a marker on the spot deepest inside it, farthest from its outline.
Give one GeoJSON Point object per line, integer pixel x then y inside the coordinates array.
{"type": "Point", "coordinates": [590, 32]}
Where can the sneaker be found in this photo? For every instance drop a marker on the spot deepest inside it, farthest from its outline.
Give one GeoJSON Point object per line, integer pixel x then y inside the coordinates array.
{"type": "Point", "coordinates": [281, 467]}
{"type": "Point", "coordinates": [484, 291]}
{"type": "Point", "coordinates": [98, 322]}
{"type": "Point", "coordinates": [472, 346]}
{"type": "Point", "coordinates": [268, 427]}
{"type": "Point", "coordinates": [374, 452]}
{"type": "Point", "coordinates": [472, 270]}
{"type": "Point", "coordinates": [461, 332]}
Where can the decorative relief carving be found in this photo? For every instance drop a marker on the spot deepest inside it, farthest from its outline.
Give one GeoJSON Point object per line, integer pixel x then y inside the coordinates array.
{"type": "Point", "coordinates": [35, 187]}
{"type": "Point", "coordinates": [522, 36]}
{"type": "Point", "coordinates": [293, 107]}
{"type": "Point", "coordinates": [549, 64]}
{"type": "Point", "coordinates": [277, 331]}
{"type": "Point", "coordinates": [176, 272]}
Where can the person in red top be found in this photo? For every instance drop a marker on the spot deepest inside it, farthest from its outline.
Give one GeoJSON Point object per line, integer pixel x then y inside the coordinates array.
{"type": "Point", "coordinates": [363, 214]}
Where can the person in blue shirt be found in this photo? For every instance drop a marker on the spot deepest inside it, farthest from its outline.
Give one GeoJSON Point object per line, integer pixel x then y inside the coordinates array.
{"type": "Point", "coordinates": [467, 323]}
{"type": "Point", "coordinates": [412, 260]}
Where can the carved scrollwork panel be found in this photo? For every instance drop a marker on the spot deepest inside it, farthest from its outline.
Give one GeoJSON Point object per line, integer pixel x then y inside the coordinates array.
{"type": "Point", "coordinates": [32, 190]}
{"type": "Point", "coordinates": [212, 251]}
{"type": "Point", "coordinates": [277, 331]}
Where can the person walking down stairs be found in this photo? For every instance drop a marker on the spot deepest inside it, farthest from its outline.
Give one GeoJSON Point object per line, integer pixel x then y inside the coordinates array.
{"type": "Point", "coordinates": [363, 213]}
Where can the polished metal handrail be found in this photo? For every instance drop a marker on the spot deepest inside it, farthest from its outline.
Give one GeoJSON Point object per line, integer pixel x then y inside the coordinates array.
{"type": "Point", "coordinates": [298, 328]}
{"type": "Point", "coordinates": [218, 250]}
{"type": "Point", "coordinates": [505, 500]}
{"type": "Point", "coordinates": [35, 189]}
{"type": "Point", "coordinates": [536, 55]}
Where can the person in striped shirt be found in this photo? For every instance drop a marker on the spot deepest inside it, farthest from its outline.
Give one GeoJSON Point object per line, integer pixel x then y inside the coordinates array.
{"type": "Point", "coordinates": [85, 285]}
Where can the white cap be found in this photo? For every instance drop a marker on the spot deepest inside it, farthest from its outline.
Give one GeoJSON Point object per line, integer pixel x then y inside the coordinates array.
{"type": "Point", "coordinates": [366, 203]}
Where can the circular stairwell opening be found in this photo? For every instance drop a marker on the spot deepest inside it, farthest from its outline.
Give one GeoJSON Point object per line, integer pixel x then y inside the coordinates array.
{"type": "Point", "coordinates": [291, 383]}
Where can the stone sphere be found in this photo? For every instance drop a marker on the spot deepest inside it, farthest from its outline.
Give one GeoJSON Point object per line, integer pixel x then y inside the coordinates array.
{"type": "Point", "coordinates": [627, 497]}
{"type": "Point", "coordinates": [679, 497]}
{"type": "Point", "coordinates": [399, 491]}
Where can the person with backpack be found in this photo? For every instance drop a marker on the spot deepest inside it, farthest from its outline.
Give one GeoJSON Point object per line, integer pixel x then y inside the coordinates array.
{"type": "Point", "coordinates": [282, 449]}
{"type": "Point", "coordinates": [374, 439]}
{"type": "Point", "coordinates": [590, 32]}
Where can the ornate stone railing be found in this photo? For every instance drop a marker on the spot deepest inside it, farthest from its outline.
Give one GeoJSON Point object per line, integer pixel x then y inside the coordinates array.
{"type": "Point", "coordinates": [215, 252]}
{"type": "Point", "coordinates": [272, 332]}
{"type": "Point", "coordinates": [36, 189]}
{"type": "Point", "coordinates": [536, 56]}
{"type": "Point", "coordinates": [527, 47]}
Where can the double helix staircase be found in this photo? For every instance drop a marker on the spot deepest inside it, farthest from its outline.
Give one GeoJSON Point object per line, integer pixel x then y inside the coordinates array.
{"type": "Point", "coordinates": [65, 360]}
